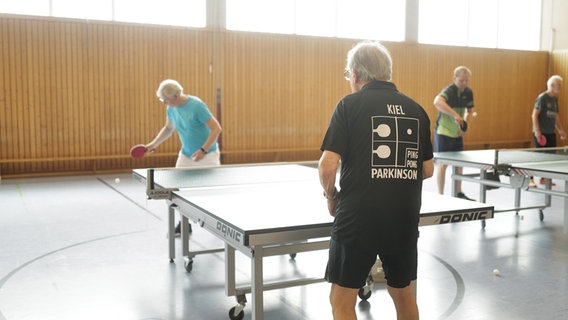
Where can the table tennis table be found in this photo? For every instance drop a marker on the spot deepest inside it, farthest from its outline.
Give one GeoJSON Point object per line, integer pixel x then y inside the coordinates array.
{"type": "Point", "coordinates": [264, 210]}
{"type": "Point", "coordinates": [519, 165]}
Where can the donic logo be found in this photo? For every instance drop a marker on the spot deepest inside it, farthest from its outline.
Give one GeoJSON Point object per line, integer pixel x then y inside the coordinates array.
{"type": "Point", "coordinates": [229, 232]}
{"type": "Point", "coordinates": [460, 217]}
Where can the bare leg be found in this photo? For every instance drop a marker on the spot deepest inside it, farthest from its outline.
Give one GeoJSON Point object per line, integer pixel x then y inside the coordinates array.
{"type": "Point", "coordinates": [343, 302]}
{"type": "Point", "coordinates": [441, 177]}
{"type": "Point", "coordinates": [459, 171]}
{"type": "Point", "coordinates": [404, 302]}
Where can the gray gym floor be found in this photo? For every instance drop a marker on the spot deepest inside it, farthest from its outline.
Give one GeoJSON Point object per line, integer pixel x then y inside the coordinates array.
{"type": "Point", "coordinates": [86, 247]}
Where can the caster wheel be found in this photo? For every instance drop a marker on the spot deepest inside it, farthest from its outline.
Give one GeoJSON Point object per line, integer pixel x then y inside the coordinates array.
{"type": "Point", "coordinates": [364, 296]}
{"type": "Point", "coordinates": [541, 215]}
{"type": "Point", "coordinates": [188, 264]}
{"type": "Point", "coordinates": [238, 316]}
{"type": "Point", "coordinates": [171, 260]}
{"type": "Point", "coordinates": [292, 256]}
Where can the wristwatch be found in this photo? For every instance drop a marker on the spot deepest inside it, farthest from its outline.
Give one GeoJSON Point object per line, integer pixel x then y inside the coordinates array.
{"type": "Point", "coordinates": [202, 150]}
{"type": "Point", "coordinates": [334, 196]}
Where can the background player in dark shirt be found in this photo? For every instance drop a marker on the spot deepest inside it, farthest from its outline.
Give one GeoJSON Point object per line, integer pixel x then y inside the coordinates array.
{"type": "Point", "coordinates": [545, 117]}
{"type": "Point", "coordinates": [381, 138]}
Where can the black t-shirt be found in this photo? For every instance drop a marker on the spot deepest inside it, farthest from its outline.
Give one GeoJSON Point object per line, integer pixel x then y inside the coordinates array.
{"type": "Point", "coordinates": [383, 138]}
{"type": "Point", "coordinates": [548, 107]}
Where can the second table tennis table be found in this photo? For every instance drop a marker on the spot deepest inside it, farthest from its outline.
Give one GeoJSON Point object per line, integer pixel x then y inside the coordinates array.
{"type": "Point", "coordinates": [519, 165]}
{"type": "Point", "coordinates": [266, 210]}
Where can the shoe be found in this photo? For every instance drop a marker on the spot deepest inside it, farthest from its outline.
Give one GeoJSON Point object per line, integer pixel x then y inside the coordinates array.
{"type": "Point", "coordinates": [461, 195]}
{"type": "Point", "coordinates": [543, 181]}
{"type": "Point", "coordinates": [532, 184]}
{"type": "Point", "coordinates": [177, 231]}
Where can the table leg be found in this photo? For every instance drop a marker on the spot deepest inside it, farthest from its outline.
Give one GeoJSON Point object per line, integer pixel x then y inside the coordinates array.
{"type": "Point", "coordinates": [482, 187]}
{"type": "Point", "coordinates": [257, 284]}
{"type": "Point", "coordinates": [547, 197]}
{"type": "Point", "coordinates": [566, 208]}
{"type": "Point", "coordinates": [454, 181]}
{"type": "Point", "coordinates": [230, 273]}
{"type": "Point", "coordinates": [414, 285]}
{"type": "Point", "coordinates": [171, 232]}
{"type": "Point", "coordinates": [184, 236]}
{"type": "Point", "coordinates": [517, 199]}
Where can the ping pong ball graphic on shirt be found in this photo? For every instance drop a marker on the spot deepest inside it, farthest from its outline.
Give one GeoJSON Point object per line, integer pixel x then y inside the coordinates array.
{"type": "Point", "coordinates": [383, 152]}
{"type": "Point", "coordinates": [383, 130]}
{"type": "Point", "coordinates": [409, 131]}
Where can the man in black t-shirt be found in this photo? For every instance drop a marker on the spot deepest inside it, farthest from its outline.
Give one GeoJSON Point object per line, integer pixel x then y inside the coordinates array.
{"type": "Point", "coordinates": [545, 118]}
{"type": "Point", "coordinates": [381, 138]}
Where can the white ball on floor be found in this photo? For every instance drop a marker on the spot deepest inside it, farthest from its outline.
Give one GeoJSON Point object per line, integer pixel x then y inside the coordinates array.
{"type": "Point", "coordinates": [117, 180]}
{"type": "Point", "coordinates": [496, 272]}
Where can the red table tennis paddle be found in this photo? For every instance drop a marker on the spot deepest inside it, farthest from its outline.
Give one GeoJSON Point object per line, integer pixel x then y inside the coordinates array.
{"type": "Point", "coordinates": [542, 141]}
{"type": "Point", "coordinates": [138, 151]}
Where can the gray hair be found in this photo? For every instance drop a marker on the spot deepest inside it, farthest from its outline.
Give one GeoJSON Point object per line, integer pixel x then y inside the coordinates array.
{"type": "Point", "coordinates": [371, 61]}
{"type": "Point", "coordinates": [460, 69]}
{"type": "Point", "coordinates": [553, 80]}
{"type": "Point", "coordinates": [169, 88]}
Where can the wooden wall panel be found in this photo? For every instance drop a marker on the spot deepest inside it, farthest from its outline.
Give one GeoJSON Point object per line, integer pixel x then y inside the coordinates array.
{"type": "Point", "coordinates": [560, 67]}
{"type": "Point", "coordinates": [76, 95]}
{"type": "Point", "coordinates": [279, 91]}
{"type": "Point", "coordinates": [505, 84]}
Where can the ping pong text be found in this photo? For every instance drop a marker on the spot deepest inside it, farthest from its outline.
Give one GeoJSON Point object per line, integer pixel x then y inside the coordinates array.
{"type": "Point", "coordinates": [461, 217]}
{"type": "Point", "coordinates": [229, 232]}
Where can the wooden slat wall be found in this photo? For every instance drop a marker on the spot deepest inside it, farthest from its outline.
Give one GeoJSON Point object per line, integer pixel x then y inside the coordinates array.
{"type": "Point", "coordinates": [278, 95]}
{"type": "Point", "coordinates": [280, 91]}
{"type": "Point", "coordinates": [560, 67]}
{"type": "Point", "coordinates": [75, 95]}
{"type": "Point", "coordinates": [505, 84]}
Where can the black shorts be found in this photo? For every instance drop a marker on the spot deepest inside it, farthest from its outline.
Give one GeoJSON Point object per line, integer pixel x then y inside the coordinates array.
{"type": "Point", "coordinates": [444, 143]}
{"type": "Point", "coordinates": [550, 141]}
{"type": "Point", "coordinates": [350, 267]}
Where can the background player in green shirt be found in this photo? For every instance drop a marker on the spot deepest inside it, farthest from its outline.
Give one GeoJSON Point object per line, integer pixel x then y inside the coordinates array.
{"type": "Point", "coordinates": [454, 103]}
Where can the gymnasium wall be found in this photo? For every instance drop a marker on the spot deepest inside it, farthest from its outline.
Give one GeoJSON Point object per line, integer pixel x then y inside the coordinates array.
{"type": "Point", "coordinates": [76, 95]}
{"type": "Point", "coordinates": [559, 66]}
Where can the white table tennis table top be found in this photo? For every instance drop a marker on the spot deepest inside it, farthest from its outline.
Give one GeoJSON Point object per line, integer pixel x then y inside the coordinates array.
{"type": "Point", "coordinates": [552, 160]}
{"type": "Point", "coordinates": [289, 194]}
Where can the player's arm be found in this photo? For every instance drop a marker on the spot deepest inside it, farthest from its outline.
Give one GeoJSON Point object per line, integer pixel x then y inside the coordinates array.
{"type": "Point", "coordinates": [214, 132]}
{"type": "Point", "coordinates": [442, 106]}
{"type": "Point", "coordinates": [536, 126]}
{"type": "Point", "coordinates": [327, 168]}
{"type": "Point", "coordinates": [468, 114]}
{"type": "Point", "coordinates": [560, 128]}
{"type": "Point", "coordinates": [162, 135]}
{"type": "Point", "coordinates": [427, 169]}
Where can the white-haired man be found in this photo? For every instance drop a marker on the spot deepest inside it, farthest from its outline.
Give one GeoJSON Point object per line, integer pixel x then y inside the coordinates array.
{"type": "Point", "coordinates": [382, 140]}
{"type": "Point", "coordinates": [545, 118]}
